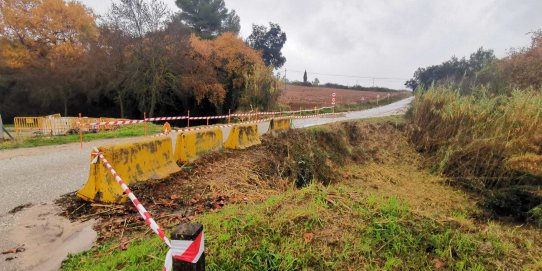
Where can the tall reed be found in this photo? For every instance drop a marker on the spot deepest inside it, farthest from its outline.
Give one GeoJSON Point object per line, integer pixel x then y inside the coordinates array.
{"type": "Point", "coordinates": [485, 139]}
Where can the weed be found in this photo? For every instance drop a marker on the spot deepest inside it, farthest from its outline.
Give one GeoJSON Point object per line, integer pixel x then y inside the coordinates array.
{"type": "Point", "coordinates": [487, 143]}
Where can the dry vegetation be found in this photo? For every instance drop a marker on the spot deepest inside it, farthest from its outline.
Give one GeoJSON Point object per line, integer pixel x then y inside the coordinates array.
{"type": "Point", "coordinates": [347, 196]}
{"type": "Point", "coordinates": [491, 144]}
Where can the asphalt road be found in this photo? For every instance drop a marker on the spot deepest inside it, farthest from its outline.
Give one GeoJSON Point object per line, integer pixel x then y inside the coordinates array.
{"type": "Point", "coordinates": [42, 174]}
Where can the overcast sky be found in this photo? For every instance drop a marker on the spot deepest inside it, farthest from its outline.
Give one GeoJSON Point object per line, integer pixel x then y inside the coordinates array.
{"type": "Point", "coordinates": [382, 38]}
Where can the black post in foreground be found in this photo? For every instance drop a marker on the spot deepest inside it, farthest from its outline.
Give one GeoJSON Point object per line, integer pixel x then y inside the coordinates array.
{"type": "Point", "coordinates": [188, 232]}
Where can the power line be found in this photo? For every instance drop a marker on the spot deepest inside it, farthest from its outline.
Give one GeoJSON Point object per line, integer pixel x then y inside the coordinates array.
{"type": "Point", "coordinates": [356, 76]}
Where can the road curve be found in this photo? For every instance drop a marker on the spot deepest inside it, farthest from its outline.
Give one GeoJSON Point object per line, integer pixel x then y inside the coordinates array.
{"type": "Point", "coordinates": [42, 174]}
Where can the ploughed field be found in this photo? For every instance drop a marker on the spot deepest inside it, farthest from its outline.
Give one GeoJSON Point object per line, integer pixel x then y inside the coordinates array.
{"type": "Point", "coordinates": [308, 97]}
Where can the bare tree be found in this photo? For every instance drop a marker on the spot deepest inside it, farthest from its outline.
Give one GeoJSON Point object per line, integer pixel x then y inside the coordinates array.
{"type": "Point", "coordinates": [140, 21]}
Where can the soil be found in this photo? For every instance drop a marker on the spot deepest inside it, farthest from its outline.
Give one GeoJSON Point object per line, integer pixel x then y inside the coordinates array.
{"type": "Point", "coordinates": [308, 97]}
{"type": "Point", "coordinates": [204, 186]}
{"type": "Point", "coordinates": [36, 238]}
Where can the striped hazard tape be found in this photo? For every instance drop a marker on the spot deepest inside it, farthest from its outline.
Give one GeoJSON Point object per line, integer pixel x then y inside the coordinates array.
{"type": "Point", "coordinates": [118, 122]}
{"type": "Point", "coordinates": [126, 122]}
{"type": "Point", "coordinates": [142, 211]}
{"type": "Point", "coordinates": [166, 118]}
{"type": "Point", "coordinates": [202, 128]}
{"type": "Point", "coordinates": [209, 118]}
{"type": "Point", "coordinates": [184, 250]}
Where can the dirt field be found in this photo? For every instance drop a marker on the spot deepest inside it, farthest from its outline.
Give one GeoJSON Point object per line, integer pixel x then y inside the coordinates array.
{"type": "Point", "coordinates": [308, 97]}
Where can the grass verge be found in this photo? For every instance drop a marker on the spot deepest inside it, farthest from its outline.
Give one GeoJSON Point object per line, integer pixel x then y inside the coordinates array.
{"type": "Point", "coordinates": [123, 131]}
{"type": "Point", "coordinates": [380, 210]}
{"type": "Point", "coordinates": [319, 228]}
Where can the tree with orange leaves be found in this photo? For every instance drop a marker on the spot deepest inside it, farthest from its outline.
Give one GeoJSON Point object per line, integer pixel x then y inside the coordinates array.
{"type": "Point", "coordinates": [229, 73]}
{"type": "Point", "coordinates": [45, 41]}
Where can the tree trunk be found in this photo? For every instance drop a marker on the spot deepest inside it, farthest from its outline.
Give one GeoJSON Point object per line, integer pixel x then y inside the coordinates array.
{"type": "Point", "coordinates": [153, 102]}
{"type": "Point", "coordinates": [1, 129]}
{"type": "Point", "coordinates": [65, 106]}
{"type": "Point", "coordinates": [121, 104]}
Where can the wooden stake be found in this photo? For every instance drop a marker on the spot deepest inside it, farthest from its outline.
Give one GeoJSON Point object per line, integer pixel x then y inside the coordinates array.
{"type": "Point", "coordinates": [229, 116]}
{"type": "Point", "coordinates": [80, 131]}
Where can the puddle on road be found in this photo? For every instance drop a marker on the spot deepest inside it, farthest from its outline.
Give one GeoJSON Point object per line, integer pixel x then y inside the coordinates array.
{"type": "Point", "coordinates": [45, 237]}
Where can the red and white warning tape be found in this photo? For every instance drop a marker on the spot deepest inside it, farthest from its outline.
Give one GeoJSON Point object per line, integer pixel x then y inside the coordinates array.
{"type": "Point", "coordinates": [118, 122]}
{"type": "Point", "coordinates": [166, 118]}
{"type": "Point", "coordinates": [208, 117]}
{"type": "Point", "coordinates": [202, 128]}
{"type": "Point", "coordinates": [142, 211]}
{"type": "Point", "coordinates": [125, 122]}
{"type": "Point", "coordinates": [184, 250]}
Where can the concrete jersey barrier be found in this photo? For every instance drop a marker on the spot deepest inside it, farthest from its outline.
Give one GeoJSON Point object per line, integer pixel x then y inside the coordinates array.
{"type": "Point", "coordinates": [191, 145]}
{"type": "Point", "coordinates": [277, 125]}
{"type": "Point", "coordinates": [243, 136]}
{"type": "Point", "coordinates": [136, 162]}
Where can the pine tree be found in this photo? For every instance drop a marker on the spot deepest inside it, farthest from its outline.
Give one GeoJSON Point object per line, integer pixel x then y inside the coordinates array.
{"type": "Point", "coordinates": [305, 77]}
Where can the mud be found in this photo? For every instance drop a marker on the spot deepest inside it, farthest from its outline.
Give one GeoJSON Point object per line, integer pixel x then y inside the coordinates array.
{"type": "Point", "coordinates": [37, 238]}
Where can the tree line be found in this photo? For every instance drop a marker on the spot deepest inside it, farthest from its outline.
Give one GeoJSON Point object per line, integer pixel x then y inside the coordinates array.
{"type": "Point", "coordinates": [521, 68]}
{"type": "Point", "coordinates": [58, 56]}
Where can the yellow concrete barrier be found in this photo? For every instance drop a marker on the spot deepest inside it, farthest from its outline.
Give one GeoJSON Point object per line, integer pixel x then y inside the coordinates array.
{"type": "Point", "coordinates": [134, 162]}
{"type": "Point", "coordinates": [277, 125]}
{"type": "Point", "coordinates": [189, 146]}
{"type": "Point", "coordinates": [242, 137]}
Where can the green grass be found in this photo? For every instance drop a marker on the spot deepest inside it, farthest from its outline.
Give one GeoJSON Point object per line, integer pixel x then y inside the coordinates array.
{"type": "Point", "coordinates": [348, 231]}
{"type": "Point", "coordinates": [370, 218]}
{"type": "Point", "coordinates": [123, 131]}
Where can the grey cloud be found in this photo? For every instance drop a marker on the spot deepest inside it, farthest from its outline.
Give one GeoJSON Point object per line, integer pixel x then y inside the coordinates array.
{"type": "Point", "coordinates": [385, 38]}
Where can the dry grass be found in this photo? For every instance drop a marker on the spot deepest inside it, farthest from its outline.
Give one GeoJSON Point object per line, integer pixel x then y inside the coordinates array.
{"type": "Point", "coordinates": [476, 135]}
{"type": "Point", "coordinates": [489, 144]}
{"type": "Point", "coordinates": [380, 210]}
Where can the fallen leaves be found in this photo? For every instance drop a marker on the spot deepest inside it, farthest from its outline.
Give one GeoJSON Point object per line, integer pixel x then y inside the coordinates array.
{"type": "Point", "coordinates": [438, 264]}
{"type": "Point", "coordinates": [308, 237]}
{"type": "Point", "coordinates": [14, 250]}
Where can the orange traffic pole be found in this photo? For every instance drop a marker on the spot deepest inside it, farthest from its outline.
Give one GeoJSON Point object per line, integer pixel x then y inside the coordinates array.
{"type": "Point", "coordinates": [188, 123]}
{"type": "Point", "coordinates": [207, 121]}
{"type": "Point", "coordinates": [229, 116]}
{"type": "Point", "coordinates": [145, 122]}
{"type": "Point", "coordinates": [80, 131]}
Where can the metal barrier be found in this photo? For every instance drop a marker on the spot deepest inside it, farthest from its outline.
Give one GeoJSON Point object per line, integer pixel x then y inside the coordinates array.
{"type": "Point", "coordinates": [57, 125]}
{"type": "Point", "coordinates": [32, 125]}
